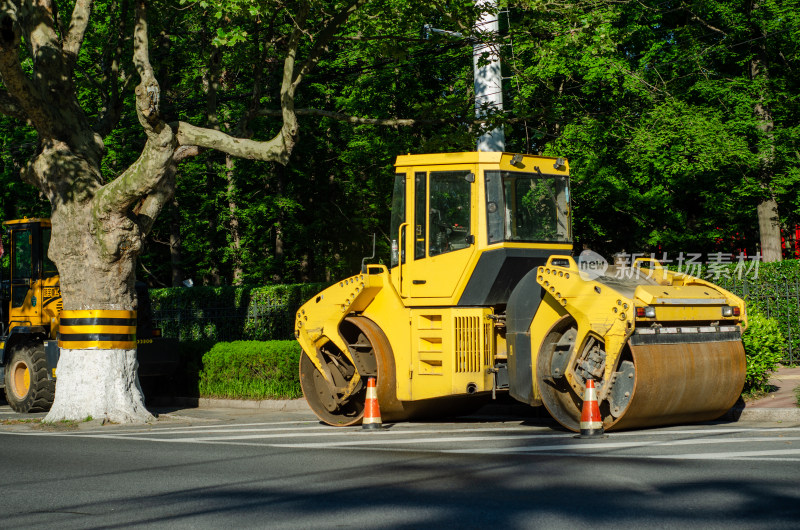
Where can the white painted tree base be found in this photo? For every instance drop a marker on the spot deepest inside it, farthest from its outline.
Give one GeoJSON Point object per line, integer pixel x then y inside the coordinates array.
{"type": "Point", "coordinates": [103, 384]}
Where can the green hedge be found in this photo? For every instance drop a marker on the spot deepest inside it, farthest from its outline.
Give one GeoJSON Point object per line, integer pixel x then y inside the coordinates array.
{"type": "Point", "coordinates": [251, 370]}
{"type": "Point", "coordinates": [229, 313]}
{"type": "Point", "coordinates": [763, 346]}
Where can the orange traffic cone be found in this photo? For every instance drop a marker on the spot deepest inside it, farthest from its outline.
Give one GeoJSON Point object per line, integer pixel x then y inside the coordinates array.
{"type": "Point", "coordinates": [591, 421]}
{"type": "Point", "coordinates": [372, 413]}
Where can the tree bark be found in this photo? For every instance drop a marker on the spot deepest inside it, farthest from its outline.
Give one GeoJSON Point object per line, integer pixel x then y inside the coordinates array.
{"type": "Point", "coordinates": [769, 229]}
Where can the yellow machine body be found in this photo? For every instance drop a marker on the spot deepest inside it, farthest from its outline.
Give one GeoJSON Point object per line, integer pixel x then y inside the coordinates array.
{"type": "Point", "coordinates": [34, 281]}
{"type": "Point", "coordinates": [481, 296]}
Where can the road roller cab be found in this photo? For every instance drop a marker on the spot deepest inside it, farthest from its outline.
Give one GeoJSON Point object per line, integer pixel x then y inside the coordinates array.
{"type": "Point", "coordinates": [481, 296]}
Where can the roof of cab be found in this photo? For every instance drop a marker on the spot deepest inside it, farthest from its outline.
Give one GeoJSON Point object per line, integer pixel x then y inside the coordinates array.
{"type": "Point", "coordinates": [33, 220]}
{"type": "Point", "coordinates": [510, 161]}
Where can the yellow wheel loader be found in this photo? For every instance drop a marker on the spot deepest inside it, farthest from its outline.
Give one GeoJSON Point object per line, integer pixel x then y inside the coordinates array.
{"type": "Point", "coordinates": [30, 318]}
{"type": "Point", "coordinates": [482, 296]}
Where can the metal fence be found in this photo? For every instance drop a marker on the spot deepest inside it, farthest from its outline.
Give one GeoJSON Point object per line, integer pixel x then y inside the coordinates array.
{"type": "Point", "coordinates": [778, 299]}
{"type": "Point", "coordinates": [258, 322]}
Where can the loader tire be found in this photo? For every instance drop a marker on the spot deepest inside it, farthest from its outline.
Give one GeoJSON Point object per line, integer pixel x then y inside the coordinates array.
{"type": "Point", "coordinates": [28, 388]}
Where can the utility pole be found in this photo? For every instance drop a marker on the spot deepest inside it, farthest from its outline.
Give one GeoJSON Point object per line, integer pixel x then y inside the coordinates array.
{"type": "Point", "coordinates": [487, 77]}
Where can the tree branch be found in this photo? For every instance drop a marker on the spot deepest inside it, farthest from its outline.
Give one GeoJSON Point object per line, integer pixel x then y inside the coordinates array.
{"type": "Point", "coordinates": [78, 23]}
{"type": "Point", "coordinates": [141, 178]}
{"type": "Point", "coordinates": [154, 165]}
{"type": "Point", "coordinates": [271, 150]}
{"type": "Point", "coordinates": [323, 39]}
{"type": "Point", "coordinates": [19, 87]}
{"type": "Point", "coordinates": [147, 92]}
{"type": "Point", "coordinates": [151, 205]}
{"type": "Point", "coordinates": [45, 45]}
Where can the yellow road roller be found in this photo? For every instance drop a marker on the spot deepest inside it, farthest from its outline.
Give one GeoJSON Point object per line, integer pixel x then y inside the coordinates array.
{"type": "Point", "coordinates": [482, 296]}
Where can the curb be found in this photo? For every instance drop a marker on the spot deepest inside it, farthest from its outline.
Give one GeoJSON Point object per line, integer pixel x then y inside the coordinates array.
{"type": "Point", "coordinates": [762, 414]}
{"type": "Point", "coordinates": [275, 405]}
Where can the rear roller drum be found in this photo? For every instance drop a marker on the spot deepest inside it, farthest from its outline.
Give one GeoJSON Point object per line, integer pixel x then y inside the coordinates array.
{"type": "Point", "coordinates": [561, 401]}
{"type": "Point", "coordinates": [373, 355]}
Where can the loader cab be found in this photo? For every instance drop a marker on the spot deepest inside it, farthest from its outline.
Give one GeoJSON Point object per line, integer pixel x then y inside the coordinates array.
{"type": "Point", "coordinates": [31, 294]}
{"type": "Point", "coordinates": [466, 227]}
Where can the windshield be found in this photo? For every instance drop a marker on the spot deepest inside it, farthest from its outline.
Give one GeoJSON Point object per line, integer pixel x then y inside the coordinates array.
{"type": "Point", "coordinates": [527, 207]}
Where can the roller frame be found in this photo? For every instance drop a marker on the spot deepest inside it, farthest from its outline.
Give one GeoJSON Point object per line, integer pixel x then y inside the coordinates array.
{"type": "Point", "coordinates": [660, 368]}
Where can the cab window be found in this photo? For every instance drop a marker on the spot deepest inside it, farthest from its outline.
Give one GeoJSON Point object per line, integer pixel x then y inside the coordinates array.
{"type": "Point", "coordinates": [449, 227]}
{"type": "Point", "coordinates": [398, 218]}
{"type": "Point", "coordinates": [22, 260]}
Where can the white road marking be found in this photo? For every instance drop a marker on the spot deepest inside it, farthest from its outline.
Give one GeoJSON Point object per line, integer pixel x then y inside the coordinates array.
{"type": "Point", "coordinates": [293, 433]}
{"type": "Point", "coordinates": [458, 437]}
{"type": "Point", "coordinates": [191, 428]}
{"type": "Point", "coordinates": [616, 445]}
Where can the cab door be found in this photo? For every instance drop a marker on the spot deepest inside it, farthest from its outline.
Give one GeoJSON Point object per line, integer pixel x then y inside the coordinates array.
{"type": "Point", "coordinates": [441, 239]}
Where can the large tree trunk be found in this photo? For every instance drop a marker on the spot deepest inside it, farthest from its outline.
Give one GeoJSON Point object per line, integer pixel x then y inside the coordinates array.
{"type": "Point", "coordinates": [769, 226]}
{"type": "Point", "coordinates": [96, 269]}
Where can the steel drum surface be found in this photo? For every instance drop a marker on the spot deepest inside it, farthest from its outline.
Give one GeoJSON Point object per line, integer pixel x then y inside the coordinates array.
{"type": "Point", "coordinates": [682, 383]}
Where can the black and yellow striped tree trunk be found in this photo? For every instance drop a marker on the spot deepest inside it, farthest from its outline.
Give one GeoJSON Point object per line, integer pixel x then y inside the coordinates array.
{"type": "Point", "coordinates": [98, 363]}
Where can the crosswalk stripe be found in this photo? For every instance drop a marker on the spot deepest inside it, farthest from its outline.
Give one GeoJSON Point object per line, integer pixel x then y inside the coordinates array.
{"type": "Point", "coordinates": [597, 446]}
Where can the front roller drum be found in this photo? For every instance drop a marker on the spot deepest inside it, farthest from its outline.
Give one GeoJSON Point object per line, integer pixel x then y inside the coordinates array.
{"type": "Point", "coordinates": [672, 383]}
{"type": "Point", "coordinates": [684, 383]}
{"type": "Point", "coordinates": [374, 357]}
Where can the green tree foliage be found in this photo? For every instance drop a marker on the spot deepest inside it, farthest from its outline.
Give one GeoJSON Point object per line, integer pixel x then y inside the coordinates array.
{"type": "Point", "coordinates": [652, 102]}
{"type": "Point", "coordinates": [314, 219]}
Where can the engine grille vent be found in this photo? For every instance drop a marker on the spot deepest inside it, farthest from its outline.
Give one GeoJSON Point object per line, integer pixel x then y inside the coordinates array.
{"type": "Point", "coordinates": [468, 345]}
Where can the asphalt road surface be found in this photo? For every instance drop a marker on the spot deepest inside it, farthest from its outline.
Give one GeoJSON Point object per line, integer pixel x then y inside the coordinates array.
{"type": "Point", "coordinates": [236, 469]}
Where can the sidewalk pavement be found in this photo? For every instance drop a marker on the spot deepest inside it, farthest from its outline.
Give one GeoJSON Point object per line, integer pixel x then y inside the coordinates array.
{"type": "Point", "coordinates": [785, 381]}
{"type": "Point", "coordinates": [778, 405]}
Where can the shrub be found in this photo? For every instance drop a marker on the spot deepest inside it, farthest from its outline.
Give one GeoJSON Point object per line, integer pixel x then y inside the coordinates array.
{"type": "Point", "coordinates": [763, 347]}
{"type": "Point", "coordinates": [251, 370]}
